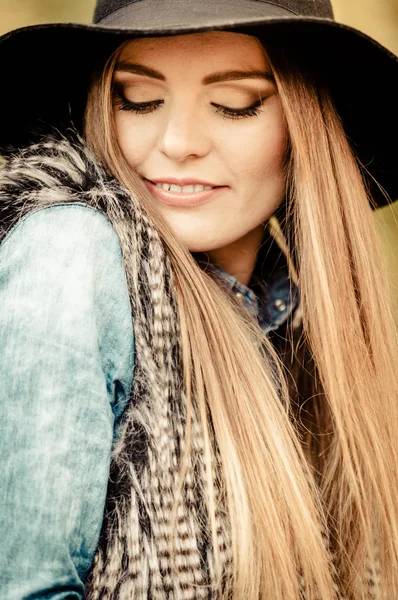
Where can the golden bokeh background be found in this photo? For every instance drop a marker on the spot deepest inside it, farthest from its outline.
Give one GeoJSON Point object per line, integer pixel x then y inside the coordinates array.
{"type": "Point", "coordinates": [377, 18]}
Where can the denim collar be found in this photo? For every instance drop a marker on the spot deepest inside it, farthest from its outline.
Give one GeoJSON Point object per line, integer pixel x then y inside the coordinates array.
{"type": "Point", "coordinates": [271, 295]}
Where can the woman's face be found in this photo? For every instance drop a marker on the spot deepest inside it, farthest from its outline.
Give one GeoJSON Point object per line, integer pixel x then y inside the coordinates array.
{"type": "Point", "coordinates": [203, 110]}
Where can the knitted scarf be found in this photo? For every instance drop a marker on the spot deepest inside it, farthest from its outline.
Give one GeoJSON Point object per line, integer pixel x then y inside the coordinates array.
{"type": "Point", "coordinates": [133, 559]}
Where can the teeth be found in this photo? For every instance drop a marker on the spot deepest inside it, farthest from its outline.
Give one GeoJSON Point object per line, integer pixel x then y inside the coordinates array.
{"type": "Point", "coordinates": [185, 189]}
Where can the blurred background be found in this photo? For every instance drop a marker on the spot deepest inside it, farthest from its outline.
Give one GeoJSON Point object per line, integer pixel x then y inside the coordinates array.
{"type": "Point", "coordinates": [377, 18]}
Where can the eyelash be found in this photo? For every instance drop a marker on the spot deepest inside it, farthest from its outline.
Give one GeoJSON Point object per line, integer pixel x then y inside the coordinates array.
{"type": "Point", "coordinates": [144, 108]}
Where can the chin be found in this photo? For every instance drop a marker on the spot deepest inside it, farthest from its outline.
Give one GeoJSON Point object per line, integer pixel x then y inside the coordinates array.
{"type": "Point", "coordinates": [198, 246]}
{"type": "Point", "coordinates": [195, 241]}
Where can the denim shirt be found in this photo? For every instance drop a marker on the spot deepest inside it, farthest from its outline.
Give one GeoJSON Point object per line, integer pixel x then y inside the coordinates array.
{"type": "Point", "coordinates": [66, 372]}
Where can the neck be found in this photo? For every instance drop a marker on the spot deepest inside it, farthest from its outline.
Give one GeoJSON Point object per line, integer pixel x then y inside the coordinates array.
{"type": "Point", "coordinates": [239, 258]}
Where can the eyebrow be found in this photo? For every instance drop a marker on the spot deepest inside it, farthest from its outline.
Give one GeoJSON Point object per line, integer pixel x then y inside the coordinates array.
{"type": "Point", "coordinates": [218, 77]}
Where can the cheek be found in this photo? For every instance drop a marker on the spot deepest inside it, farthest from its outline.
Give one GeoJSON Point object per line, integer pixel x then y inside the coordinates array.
{"type": "Point", "coordinates": [127, 134]}
{"type": "Point", "coordinates": [254, 151]}
{"type": "Point", "coordinates": [263, 160]}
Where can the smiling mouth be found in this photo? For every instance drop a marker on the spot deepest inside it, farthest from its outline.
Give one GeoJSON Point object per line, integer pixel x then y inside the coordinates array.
{"type": "Point", "coordinates": [189, 195]}
{"type": "Point", "coordinates": [185, 189]}
{"type": "Point", "coordinates": [192, 188]}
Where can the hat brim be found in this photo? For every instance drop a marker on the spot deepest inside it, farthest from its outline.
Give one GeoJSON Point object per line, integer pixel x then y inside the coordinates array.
{"type": "Point", "coordinates": [46, 71]}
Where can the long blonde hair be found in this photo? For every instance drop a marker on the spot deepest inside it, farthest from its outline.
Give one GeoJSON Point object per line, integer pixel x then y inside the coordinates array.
{"type": "Point", "coordinates": [288, 476]}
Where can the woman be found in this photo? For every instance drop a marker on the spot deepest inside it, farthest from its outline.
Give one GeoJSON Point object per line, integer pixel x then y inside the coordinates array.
{"type": "Point", "coordinates": [199, 382]}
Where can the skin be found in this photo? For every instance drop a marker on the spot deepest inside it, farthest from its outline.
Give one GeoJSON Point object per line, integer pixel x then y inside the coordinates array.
{"type": "Point", "coordinates": [187, 137]}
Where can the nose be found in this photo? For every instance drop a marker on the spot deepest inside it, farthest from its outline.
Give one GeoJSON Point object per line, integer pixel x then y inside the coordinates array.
{"type": "Point", "coordinates": [185, 135]}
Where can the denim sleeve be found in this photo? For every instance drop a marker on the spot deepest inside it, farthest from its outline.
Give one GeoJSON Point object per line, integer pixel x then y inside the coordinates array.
{"type": "Point", "coordinates": [66, 371]}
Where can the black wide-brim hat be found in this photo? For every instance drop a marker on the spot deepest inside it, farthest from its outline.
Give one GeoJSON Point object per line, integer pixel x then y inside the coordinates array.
{"type": "Point", "coordinates": [46, 69]}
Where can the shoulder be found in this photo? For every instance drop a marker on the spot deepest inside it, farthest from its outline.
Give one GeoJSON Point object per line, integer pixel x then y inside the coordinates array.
{"type": "Point", "coordinates": [63, 227]}
{"type": "Point", "coordinates": [57, 180]}
{"type": "Point", "coordinates": [67, 251]}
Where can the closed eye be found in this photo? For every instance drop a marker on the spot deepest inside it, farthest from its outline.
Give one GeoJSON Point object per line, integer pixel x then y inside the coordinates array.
{"type": "Point", "coordinates": [143, 108]}
{"type": "Point", "coordinates": [239, 113]}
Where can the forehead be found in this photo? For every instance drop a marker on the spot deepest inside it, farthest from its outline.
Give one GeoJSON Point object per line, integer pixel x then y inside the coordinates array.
{"type": "Point", "coordinates": [213, 48]}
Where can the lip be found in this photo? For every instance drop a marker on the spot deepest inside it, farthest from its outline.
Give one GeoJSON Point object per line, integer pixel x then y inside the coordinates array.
{"type": "Point", "coordinates": [179, 199]}
{"type": "Point", "coordinates": [182, 182]}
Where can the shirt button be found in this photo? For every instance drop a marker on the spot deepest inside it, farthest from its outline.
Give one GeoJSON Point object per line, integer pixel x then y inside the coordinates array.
{"type": "Point", "coordinates": [240, 296]}
{"type": "Point", "coordinates": [280, 305]}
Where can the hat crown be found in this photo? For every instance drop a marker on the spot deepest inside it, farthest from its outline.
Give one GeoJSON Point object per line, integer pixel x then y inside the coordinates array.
{"type": "Point", "coordinates": [305, 8]}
